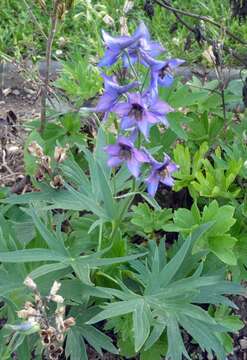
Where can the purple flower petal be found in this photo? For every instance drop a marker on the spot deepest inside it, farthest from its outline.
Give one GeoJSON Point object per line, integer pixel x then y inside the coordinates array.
{"type": "Point", "coordinates": [141, 156]}
{"type": "Point", "coordinates": [144, 128]}
{"type": "Point", "coordinates": [154, 49]}
{"type": "Point", "coordinates": [168, 180]}
{"type": "Point", "coordinates": [113, 150]}
{"type": "Point", "coordinates": [152, 186]}
{"type": "Point", "coordinates": [173, 63]}
{"type": "Point", "coordinates": [167, 80]}
{"type": "Point", "coordinates": [122, 140]}
{"type": "Point", "coordinates": [150, 117]}
{"type": "Point", "coordinates": [142, 31]}
{"type": "Point", "coordinates": [117, 43]}
{"type": "Point", "coordinates": [109, 58]}
{"type": "Point", "coordinates": [122, 109]}
{"type": "Point", "coordinates": [131, 59]}
{"type": "Point", "coordinates": [133, 166]}
{"type": "Point", "coordinates": [114, 161]}
{"type": "Point", "coordinates": [127, 122]}
{"type": "Point", "coordinates": [135, 98]}
{"type": "Point", "coordinates": [160, 107]}
{"type": "Point", "coordinates": [106, 101]}
{"type": "Point", "coordinates": [172, 167]}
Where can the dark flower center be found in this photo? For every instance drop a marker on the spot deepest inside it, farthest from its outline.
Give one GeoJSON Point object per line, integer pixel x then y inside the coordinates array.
{"type": "Point", "coordinates": [125, 152]}
{"type": "Point", "coordinates": [164, 71]}
{"type": "Point", "coordinates": [163, 172]}
{"type": "Point", "coordinates": [136, 111]}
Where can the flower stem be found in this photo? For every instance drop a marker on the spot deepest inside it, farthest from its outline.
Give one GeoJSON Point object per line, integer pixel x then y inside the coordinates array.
{"type": "Point", "coordinates": [132, 68]}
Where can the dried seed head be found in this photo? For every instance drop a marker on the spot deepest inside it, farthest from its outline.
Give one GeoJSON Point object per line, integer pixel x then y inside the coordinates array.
{"type": "Point", "coordinates": [35, 149]}
{"type": "Point", "coordinates": [61, 10]}
{"type": "Point", "coordinates": [38, 300]}
{"type": "Point", "coordinates": [55, 288]}
{"type": "Point", "coordinates": [46, 340]}
{"type": "Point", "coordinates": [69, 322]}
{"type": "Point", "coordinates": [60, 338]}
{"type": "Point", "coordinates": [45, 164]}
{"type": "Point", "coordinates": [27, 313]}
{"type": "Point", "coordinates": [28, 282]}
{"type": "Point", "coordinates": [22, 314]}
{"type": "Point", "coordinates": [39, 176]}
{"type": "Point", "coordinates": [57, 182]}
{"type": "Point", "coordinates": [128, 5]}
{"type": "Point", "coordinates": [43, 333]}
{"type": "Point", "coordinates": [52, 347]}
{"type": "Point", "coordinates": [28, 305]}
{"type": "Point", "coordinates": [69, 4]}
{"type": "Point", "coordinates": [57, 299]}
{"type": "Point", "coordinates": [59, 350]}
{"type": "Point", "coordinates": [123, 26]}
{"type": "Point", "coordinates": [108, 20]}
{"type": "Point", "coordinates": [208, 54]}
{"type": "Point", "coordinates": [42, 4]}
{"type": "Point", "coordinates": [60, 310]}
{"type": "Point", "coordinates": [60, 153]}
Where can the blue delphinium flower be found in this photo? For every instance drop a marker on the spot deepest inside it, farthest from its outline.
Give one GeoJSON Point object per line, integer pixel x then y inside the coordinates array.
{"type": "Point", "coordinates": [140, 40]}
{"type": "Point", "coordinates": [161, 71]}
{"type": "Point", "coordinates": [112, 93]}
{"type": "Point", "coordinates": [160, 172]}
{"type": "Point", "coordinates": [144, 45]}
{"type": "Point", "coordinates": [142, 111]}
{"type": "Point", "coordinates": [125, 151]}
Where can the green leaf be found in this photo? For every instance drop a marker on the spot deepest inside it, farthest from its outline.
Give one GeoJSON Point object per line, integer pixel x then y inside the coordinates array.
{"type": "Point", "coordinates": [115, 309]}
{"type": "Point", "coordinates": [30, 255]}
{"type": "Point", "coordinates": [46, 269]}
{"type": "Point", "coordinates": [75, 345]}
{"type": "Point", "coordinates": [97, 339]}
{"type": "Point", "coordinates": [51, 240]}
{"type": "Point", "coordinates": [176, 347]}
{"type": "Point", "coordinates": [141, 324]}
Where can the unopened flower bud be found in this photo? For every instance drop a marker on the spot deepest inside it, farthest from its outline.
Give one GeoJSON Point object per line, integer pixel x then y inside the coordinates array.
{"type": "Point", "coordinates": [28, 282]}
{"type": "Point", "coordinates": [60, 153]}
{"type": "Point", "coordinates": [35, 149]}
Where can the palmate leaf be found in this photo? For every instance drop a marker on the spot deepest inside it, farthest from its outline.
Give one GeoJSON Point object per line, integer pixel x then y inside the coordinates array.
{"type": "Point", "coordinates": [218, 240]}
{"type": "Point", "coordinates": [59, 256]}
{"type": "Point", "coordinates": [84, 332]}
{"type": "Point", "coordinates": [167, 302]}
{"type": "Point", "coordinates": [75, 345]}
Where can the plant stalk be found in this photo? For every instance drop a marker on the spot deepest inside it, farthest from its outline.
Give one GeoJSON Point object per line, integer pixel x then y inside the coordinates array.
{"type": "Point", "coordinates": [44, 89]}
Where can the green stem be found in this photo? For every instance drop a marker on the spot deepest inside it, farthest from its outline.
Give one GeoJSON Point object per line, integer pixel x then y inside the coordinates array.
{"type": "Point", "coordinates": [143, 84]}
{"type": "Point", "coordinates": [132, 68]}
{"type": "Point", "coordinates": [116, 224]}
{"type": "Point", "coordinates": [100, 237]}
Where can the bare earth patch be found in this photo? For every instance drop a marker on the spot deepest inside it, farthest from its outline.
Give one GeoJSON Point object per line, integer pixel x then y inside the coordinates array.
{"type": "Point", "coordinates": [15, 111]}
